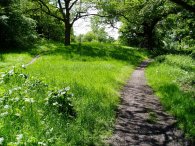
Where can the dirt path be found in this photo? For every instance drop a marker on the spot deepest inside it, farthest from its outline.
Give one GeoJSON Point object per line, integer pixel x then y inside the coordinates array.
{"type": "Point", "coordinates": [141, 120]}
{"type": "Point", "coordinates": [32, 61]}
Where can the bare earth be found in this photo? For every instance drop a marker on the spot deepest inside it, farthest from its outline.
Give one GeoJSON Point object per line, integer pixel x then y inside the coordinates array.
{"type": "Point", "coordinates": [141, 120]}
{"type": "Point", "coordinates": [33, 60]}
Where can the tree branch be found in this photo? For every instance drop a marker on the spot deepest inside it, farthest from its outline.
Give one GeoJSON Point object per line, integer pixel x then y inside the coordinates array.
{"type": "Point", "coordinates": [48, 12]}
{"type": "Point", "coordinates": [112, 25]}
{"type": "Point", "coordinates": [73, 4]}
{"type": "Point", "coordinates": [78, 16]}
{"type": "Point", "coordinates": [61, 9]}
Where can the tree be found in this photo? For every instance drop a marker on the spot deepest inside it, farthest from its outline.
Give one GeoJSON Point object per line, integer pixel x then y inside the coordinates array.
{"type": "Point", "coordinates": [46, 26]}
{"type": "Point", "coordinates": [98, 32]}
{"type": "Point", "coordinates": [139, 19]}
{"type": "Point", "coordinates": [175, 33]}
{"type": "Point", "coordinates": [67, 11]}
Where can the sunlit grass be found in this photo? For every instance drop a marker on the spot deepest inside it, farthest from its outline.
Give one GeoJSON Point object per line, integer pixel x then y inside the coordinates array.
{"type": "Point", "coordinates": [95, 73]}
{"type": "Point", "coordinates": [173, 79]}
{"type": "Point", "coordinates": [94, 84]}
{"type": "Point", "coordinates": [13, 59]}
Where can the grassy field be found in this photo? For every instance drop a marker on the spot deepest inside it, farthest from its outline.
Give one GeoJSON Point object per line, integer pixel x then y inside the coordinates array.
{"type": "Point", "coordinates": [32, 109]}
{"type": "Point", "coordinates": [173, 79]}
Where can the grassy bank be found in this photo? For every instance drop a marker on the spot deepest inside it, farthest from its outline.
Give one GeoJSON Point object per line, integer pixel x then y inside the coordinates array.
{"type": "Point", "coordinates": [173, 79]}
{"type": "Point", "coordinates": [94, 72]}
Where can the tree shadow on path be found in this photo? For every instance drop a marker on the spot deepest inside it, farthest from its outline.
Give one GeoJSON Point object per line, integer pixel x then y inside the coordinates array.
{"type": "Point", "coordinates": [141, 120]}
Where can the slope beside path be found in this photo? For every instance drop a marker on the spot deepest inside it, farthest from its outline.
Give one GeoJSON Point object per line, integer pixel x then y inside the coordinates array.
{"type": "Point", "coordinates": [141, 120]}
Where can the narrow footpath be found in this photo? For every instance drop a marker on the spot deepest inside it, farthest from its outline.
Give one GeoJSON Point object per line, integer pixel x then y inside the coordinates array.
{"type": "Point", "coordinates": [141, 120]}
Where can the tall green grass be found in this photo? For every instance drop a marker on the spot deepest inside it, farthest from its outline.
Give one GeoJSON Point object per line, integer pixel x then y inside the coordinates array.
{"type": "Point", "coordinates": [95, 74]}
{"type": "Point", "coordinates": [13, 59]}
{"type": "Point", "coordinates": [173, 79]}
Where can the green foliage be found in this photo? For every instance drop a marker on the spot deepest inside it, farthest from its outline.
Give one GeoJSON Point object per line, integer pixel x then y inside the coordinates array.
{"type": "Point", "coordinates": [98, 33]}
{"type": "Point", "coordinates": [24, 103]}
{"type": "Point", "coordinates": [180, 37]}
{"type": "Point", "coordinates": [99, 36]}
{"type": "Point", "coordinates": [172, 78]}
{"type": "Point", "coordinates": [89, 37]}
{"type": "Point", "coordinates": [139, 28]}
{"type": "Point", "coordinates": [47, 26]}
{"type": "Point", "coordinates": [16, 28]}
{"type": "Point", "coordinates": [61, 100]}
{"type": "Point", "coordinates": [159, 25]}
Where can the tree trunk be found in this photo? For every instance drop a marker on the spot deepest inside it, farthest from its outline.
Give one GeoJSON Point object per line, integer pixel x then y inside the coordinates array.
{"type": "Point", "coordinates": [67, 34]}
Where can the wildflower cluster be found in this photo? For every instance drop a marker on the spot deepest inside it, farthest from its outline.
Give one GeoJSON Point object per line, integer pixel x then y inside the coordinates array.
{"type": "Point", "coordinates": [26, 113]}
{"type": "Point", "coordinates": [61, 100]}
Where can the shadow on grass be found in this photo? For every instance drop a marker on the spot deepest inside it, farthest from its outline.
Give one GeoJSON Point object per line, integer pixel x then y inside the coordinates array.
{"type": "Point", "coordinates": [91, 50]}
{"type": "Point", "coordinates": [2, 58]}
{"type": "Point", "coordinates": [182, 106]}
{"type": "Point", "coordinates": [103, 51]}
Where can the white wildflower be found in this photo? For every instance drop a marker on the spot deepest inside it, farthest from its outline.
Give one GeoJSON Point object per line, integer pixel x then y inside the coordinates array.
{"type": "Point", "coordinates": [67, 88]}
{"type": "Point", "coordinates": [1, 81]}
{"type": "Point", "coordinates": [10, 92]}
{"type": "Point", "coordinates": [43, 122]}
{"type": "Point", "coordinates": [1, 140]}
{"type": "Point", "coordinates": [1, 100]}
{"type": "Point", "coordinates": [19, 137]}
{"type": "Point", "coordinates": [62, 93]}
{"type": "Point", "coordinates": [16, 99]}
{"type": "Point", "coordinates": [55, 103]}
{"type": "Point", "coordinates": [23, 75]}
{"type": "Point", "coordinates": [50, 140]}
{"type": "Point", "coordinates": [6, 106]}
{"type": "Point", "coordinates": [11, 72]}
{"type": "Point", "coordinates": [17, 114]}
{"type": "Point", "coordinates": [17, 88]}
{"type": "Point", "coordinates": [4, 114]}
{"type": "Point", "coordinates": [23, 66]}
{"type": "Point", "coordinates": [46, 99]}
{"type": "Point", "coordinates": [30, 100]}
{"type": "Point", "coordinates": [51, 129]}
{"type": "Point", "coordinates": [3, 75]}
{"type": "Point", "coordinates": [41, 143]}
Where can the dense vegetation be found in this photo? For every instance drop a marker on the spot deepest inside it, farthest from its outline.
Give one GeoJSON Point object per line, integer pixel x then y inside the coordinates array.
{"type": "Point", "coordinates": [36, 99]}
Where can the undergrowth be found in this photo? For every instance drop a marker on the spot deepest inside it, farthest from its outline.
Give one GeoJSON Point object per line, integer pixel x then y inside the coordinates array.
{"type": "Point", "coordinates": [30, 109]}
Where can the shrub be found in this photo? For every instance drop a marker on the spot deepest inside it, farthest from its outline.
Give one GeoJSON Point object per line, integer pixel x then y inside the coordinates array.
{"type": "Point", "coordinates": [61, 100]}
